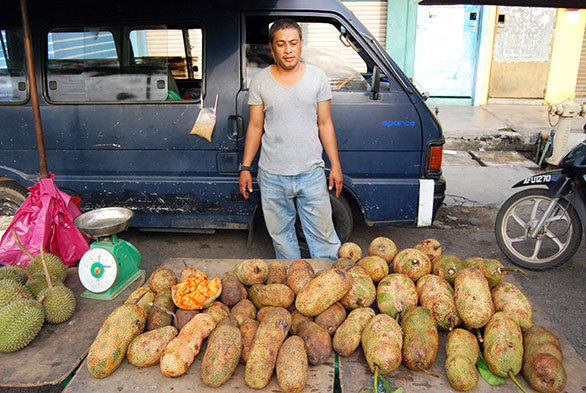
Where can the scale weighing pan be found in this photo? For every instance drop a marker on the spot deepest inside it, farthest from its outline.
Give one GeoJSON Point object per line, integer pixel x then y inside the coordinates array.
{"type": "Point", "coordinates": [111, 264]}
{"type": "Point", "coordinates": [104, 222]}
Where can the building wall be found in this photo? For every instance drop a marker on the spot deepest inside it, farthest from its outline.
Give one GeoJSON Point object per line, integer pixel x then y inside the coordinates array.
{"type": "Point", "coordinates": [485, 55]}
{"type": "Point", "coordinates": [401, 33]}
{"type": "Point", "coordinates": [565, 58]}
{"type": "Point", "coordinates": [560, 72]}
{"type": "Point", "coordinates": [521, 52]}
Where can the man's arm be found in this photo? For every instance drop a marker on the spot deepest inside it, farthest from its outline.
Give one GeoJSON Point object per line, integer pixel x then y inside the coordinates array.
{"type": "Point", "coordinates": [251, 144]}
{"type": "Point", "coordinates": [328, 140]}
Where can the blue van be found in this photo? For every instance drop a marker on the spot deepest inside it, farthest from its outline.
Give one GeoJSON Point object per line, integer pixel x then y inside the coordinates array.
{"type": "Point", "coordinates": [121, 85]}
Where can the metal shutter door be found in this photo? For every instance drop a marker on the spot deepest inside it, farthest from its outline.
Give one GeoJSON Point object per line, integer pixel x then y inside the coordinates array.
{"type": "Point", "coordinates": [170, 43]}
{"type": "Point", "coordinates": [581, 81]}
{"type": "Point", "coordinates": [372, 14]}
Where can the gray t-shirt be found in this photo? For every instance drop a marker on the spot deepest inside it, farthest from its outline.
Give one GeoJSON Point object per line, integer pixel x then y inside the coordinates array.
{"type": "Point", "coordinates": [290, 143]}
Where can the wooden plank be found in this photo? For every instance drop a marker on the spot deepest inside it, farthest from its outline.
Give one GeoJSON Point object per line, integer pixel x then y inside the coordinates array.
{"type": "Point", "coordinates": [146, 380]}
{"type": "Point", "coordinates": [354, 371]}
{"type": "Point", "coordinates": [59, 349]}
{"type": "Point", "coordinates": [151, 380]}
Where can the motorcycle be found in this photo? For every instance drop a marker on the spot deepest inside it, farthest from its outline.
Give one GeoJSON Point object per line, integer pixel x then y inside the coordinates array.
{"type": "Point", "coordinates": [540, 228]}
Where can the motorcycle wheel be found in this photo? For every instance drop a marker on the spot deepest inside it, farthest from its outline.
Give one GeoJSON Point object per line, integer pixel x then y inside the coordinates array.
{"type": "Point", "coordinates": [555, 244]}
{"type": "Point", "coordinates": [12, 195]}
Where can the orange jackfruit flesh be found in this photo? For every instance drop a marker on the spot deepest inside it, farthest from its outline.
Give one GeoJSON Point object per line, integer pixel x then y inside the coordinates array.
{"type": "Point", "coordinates": [196, 292]}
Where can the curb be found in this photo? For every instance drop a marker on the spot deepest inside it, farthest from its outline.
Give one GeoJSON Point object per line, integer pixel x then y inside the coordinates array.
{"type": "Point", "coordinates": [503, 141]}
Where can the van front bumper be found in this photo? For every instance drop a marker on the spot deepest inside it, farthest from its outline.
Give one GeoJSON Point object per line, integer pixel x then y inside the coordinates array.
{"type": "Point", "coordinates": [439, 194]}
{"type": "Point", "coordinates": [431, 196]}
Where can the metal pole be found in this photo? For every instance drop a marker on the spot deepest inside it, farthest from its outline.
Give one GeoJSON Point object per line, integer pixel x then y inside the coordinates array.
{"type": "Point", "coordinates": [30, 68]}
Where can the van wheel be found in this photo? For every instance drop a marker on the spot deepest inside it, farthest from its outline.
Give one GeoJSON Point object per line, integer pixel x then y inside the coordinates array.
{"type": "Point", "coordinates": [342, 216]}
{"type": "Point", "coordinates": [12, 195]}
{"type": "Point", "coordinates": [343, 223]}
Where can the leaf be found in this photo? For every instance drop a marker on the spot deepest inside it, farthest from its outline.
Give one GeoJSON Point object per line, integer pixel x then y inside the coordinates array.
{"type": "Point", "coordinates": [365, 388]}
{"type": "Point", "coordinates": [486, 374]}
{"type": "Point", "coordinates": [386, 385]}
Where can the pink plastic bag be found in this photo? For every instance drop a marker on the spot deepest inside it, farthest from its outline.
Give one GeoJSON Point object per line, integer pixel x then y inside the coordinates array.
{"type": "Point", "coordinates": [45, 217]}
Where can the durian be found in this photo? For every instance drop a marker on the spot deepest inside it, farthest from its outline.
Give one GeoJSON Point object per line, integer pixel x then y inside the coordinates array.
{"type": "Point", "coordinates": [58, 303]}
{"type": "Point", "coordinates": [38, 283]}
{"type": "Point", "coordinates": [10, 291]}
{"type": "Point", "coordinates": [14, 272]}
{"type": "Point", "coordinates": [20, 322]}
{"type": "Point", "coordinates": [55, 265]}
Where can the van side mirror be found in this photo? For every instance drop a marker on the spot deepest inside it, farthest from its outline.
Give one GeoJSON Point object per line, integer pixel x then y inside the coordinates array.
{"type": "Point", "coordinates": [375, 87]}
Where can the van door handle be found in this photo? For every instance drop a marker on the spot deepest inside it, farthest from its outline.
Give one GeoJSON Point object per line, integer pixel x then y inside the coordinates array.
{"type": "Point", "coordinates": [237, 127]}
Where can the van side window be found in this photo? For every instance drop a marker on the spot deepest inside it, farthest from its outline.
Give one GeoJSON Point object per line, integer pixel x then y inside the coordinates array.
{"type": "Point", "coordinates": [124, 64]}
{"type": "Point", "coordinates": [13, 81]}
{"type": "Point", "coordinates": [322, 47]}
{"type": "Point", "coordinates": [181, 49]}
{"type": "Point", "coordinates": [342, 64]}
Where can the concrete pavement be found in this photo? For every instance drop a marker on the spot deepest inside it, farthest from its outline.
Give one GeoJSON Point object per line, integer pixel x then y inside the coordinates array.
{"type": "Point", "coordinates": [499, 126]}
{"type": "Point", "coordinates": [480, 163]}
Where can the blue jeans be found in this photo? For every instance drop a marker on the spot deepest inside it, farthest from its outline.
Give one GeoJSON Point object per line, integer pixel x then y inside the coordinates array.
{"type": "Point", "coordinates": [281, 195]}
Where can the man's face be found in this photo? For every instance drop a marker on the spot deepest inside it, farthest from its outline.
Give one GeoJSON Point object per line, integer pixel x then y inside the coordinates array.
{"type": "Point", "coordinates": [286, 48]}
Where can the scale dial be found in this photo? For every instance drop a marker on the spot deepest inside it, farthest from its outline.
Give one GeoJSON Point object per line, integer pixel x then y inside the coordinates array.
{"type": "Point", "coordinates": [98, 270]}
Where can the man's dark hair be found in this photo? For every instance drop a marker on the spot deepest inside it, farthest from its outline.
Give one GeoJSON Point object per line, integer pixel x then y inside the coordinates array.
{"type": "Point", "coordinates": [281, 24]}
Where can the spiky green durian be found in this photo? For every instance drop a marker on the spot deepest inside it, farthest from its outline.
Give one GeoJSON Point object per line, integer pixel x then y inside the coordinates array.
{"type": "Point", "coordinates": [14, 272]}
{"type": "Point", "coordinates": [58, 302]}
{"type": "Point", "coordinates": [38, 283]}
{"type": "Point", "coordinates": [55, 266]}
{"type": "Point", "coordinates": [10, 291]}
{"type": "Point", "coordinates": [20, 322]}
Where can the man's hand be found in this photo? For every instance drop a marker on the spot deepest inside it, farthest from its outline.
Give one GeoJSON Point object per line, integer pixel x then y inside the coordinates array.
{"type": "Point", "coordinates": [328, 140]}
{"type": "Point", "coordinates": [251, 145]}
{"type": "Point", "coordinates": [336, 179]}
{"type": "Point", "coordinates": [245, 183]}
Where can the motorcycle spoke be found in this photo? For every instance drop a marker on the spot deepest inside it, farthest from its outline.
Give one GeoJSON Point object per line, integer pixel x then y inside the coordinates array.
{"type": "Point", "coordinates": [554, 238]}
{"type": "Point", "coordinates": [536, 250]}
{"type": "Point", "coordinates": [562, 216]}
{"type": "Point", "coordinates": [519, 220]}
{"type": "Point", "coordinates": [517, 239]}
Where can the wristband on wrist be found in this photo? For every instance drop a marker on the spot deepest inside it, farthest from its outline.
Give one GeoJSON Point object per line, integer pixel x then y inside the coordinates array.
{"type": "Point", "coordinates": [244, 168]}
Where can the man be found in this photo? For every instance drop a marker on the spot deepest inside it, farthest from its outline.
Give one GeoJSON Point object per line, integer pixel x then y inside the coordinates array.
{"type": "Point", "coordinates": [291, 100]}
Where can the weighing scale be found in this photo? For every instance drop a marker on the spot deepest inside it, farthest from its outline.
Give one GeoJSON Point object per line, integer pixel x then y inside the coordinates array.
{"type": "Point", "coordinates": [111, 264]}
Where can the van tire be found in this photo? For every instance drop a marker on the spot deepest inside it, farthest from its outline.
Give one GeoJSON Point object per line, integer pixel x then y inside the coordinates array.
{"type": "Point", "coordinates": [12, 196]}
{"type": "Point", "coordinates": [342, 218]}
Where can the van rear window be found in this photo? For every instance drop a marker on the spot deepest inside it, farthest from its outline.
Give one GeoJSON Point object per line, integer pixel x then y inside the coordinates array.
{"type": "Point", "coordinates": [124, 64]}
{"type": "Point", "coordinates": [13, 81]}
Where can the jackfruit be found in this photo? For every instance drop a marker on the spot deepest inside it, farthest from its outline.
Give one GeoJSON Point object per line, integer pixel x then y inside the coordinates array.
{"type": "Point", "coordinates": [38, 283]}
{"type": "Point", "coordinates": [14, 272]}
{"type": "Point", "coordinates": [20, 322]}
{"type": "Point", "coordinates": [58, 303]}
{"type": "Point", "coordinates": [10, 291]}
{"type": "Point", "coordinates": [54, 265]}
